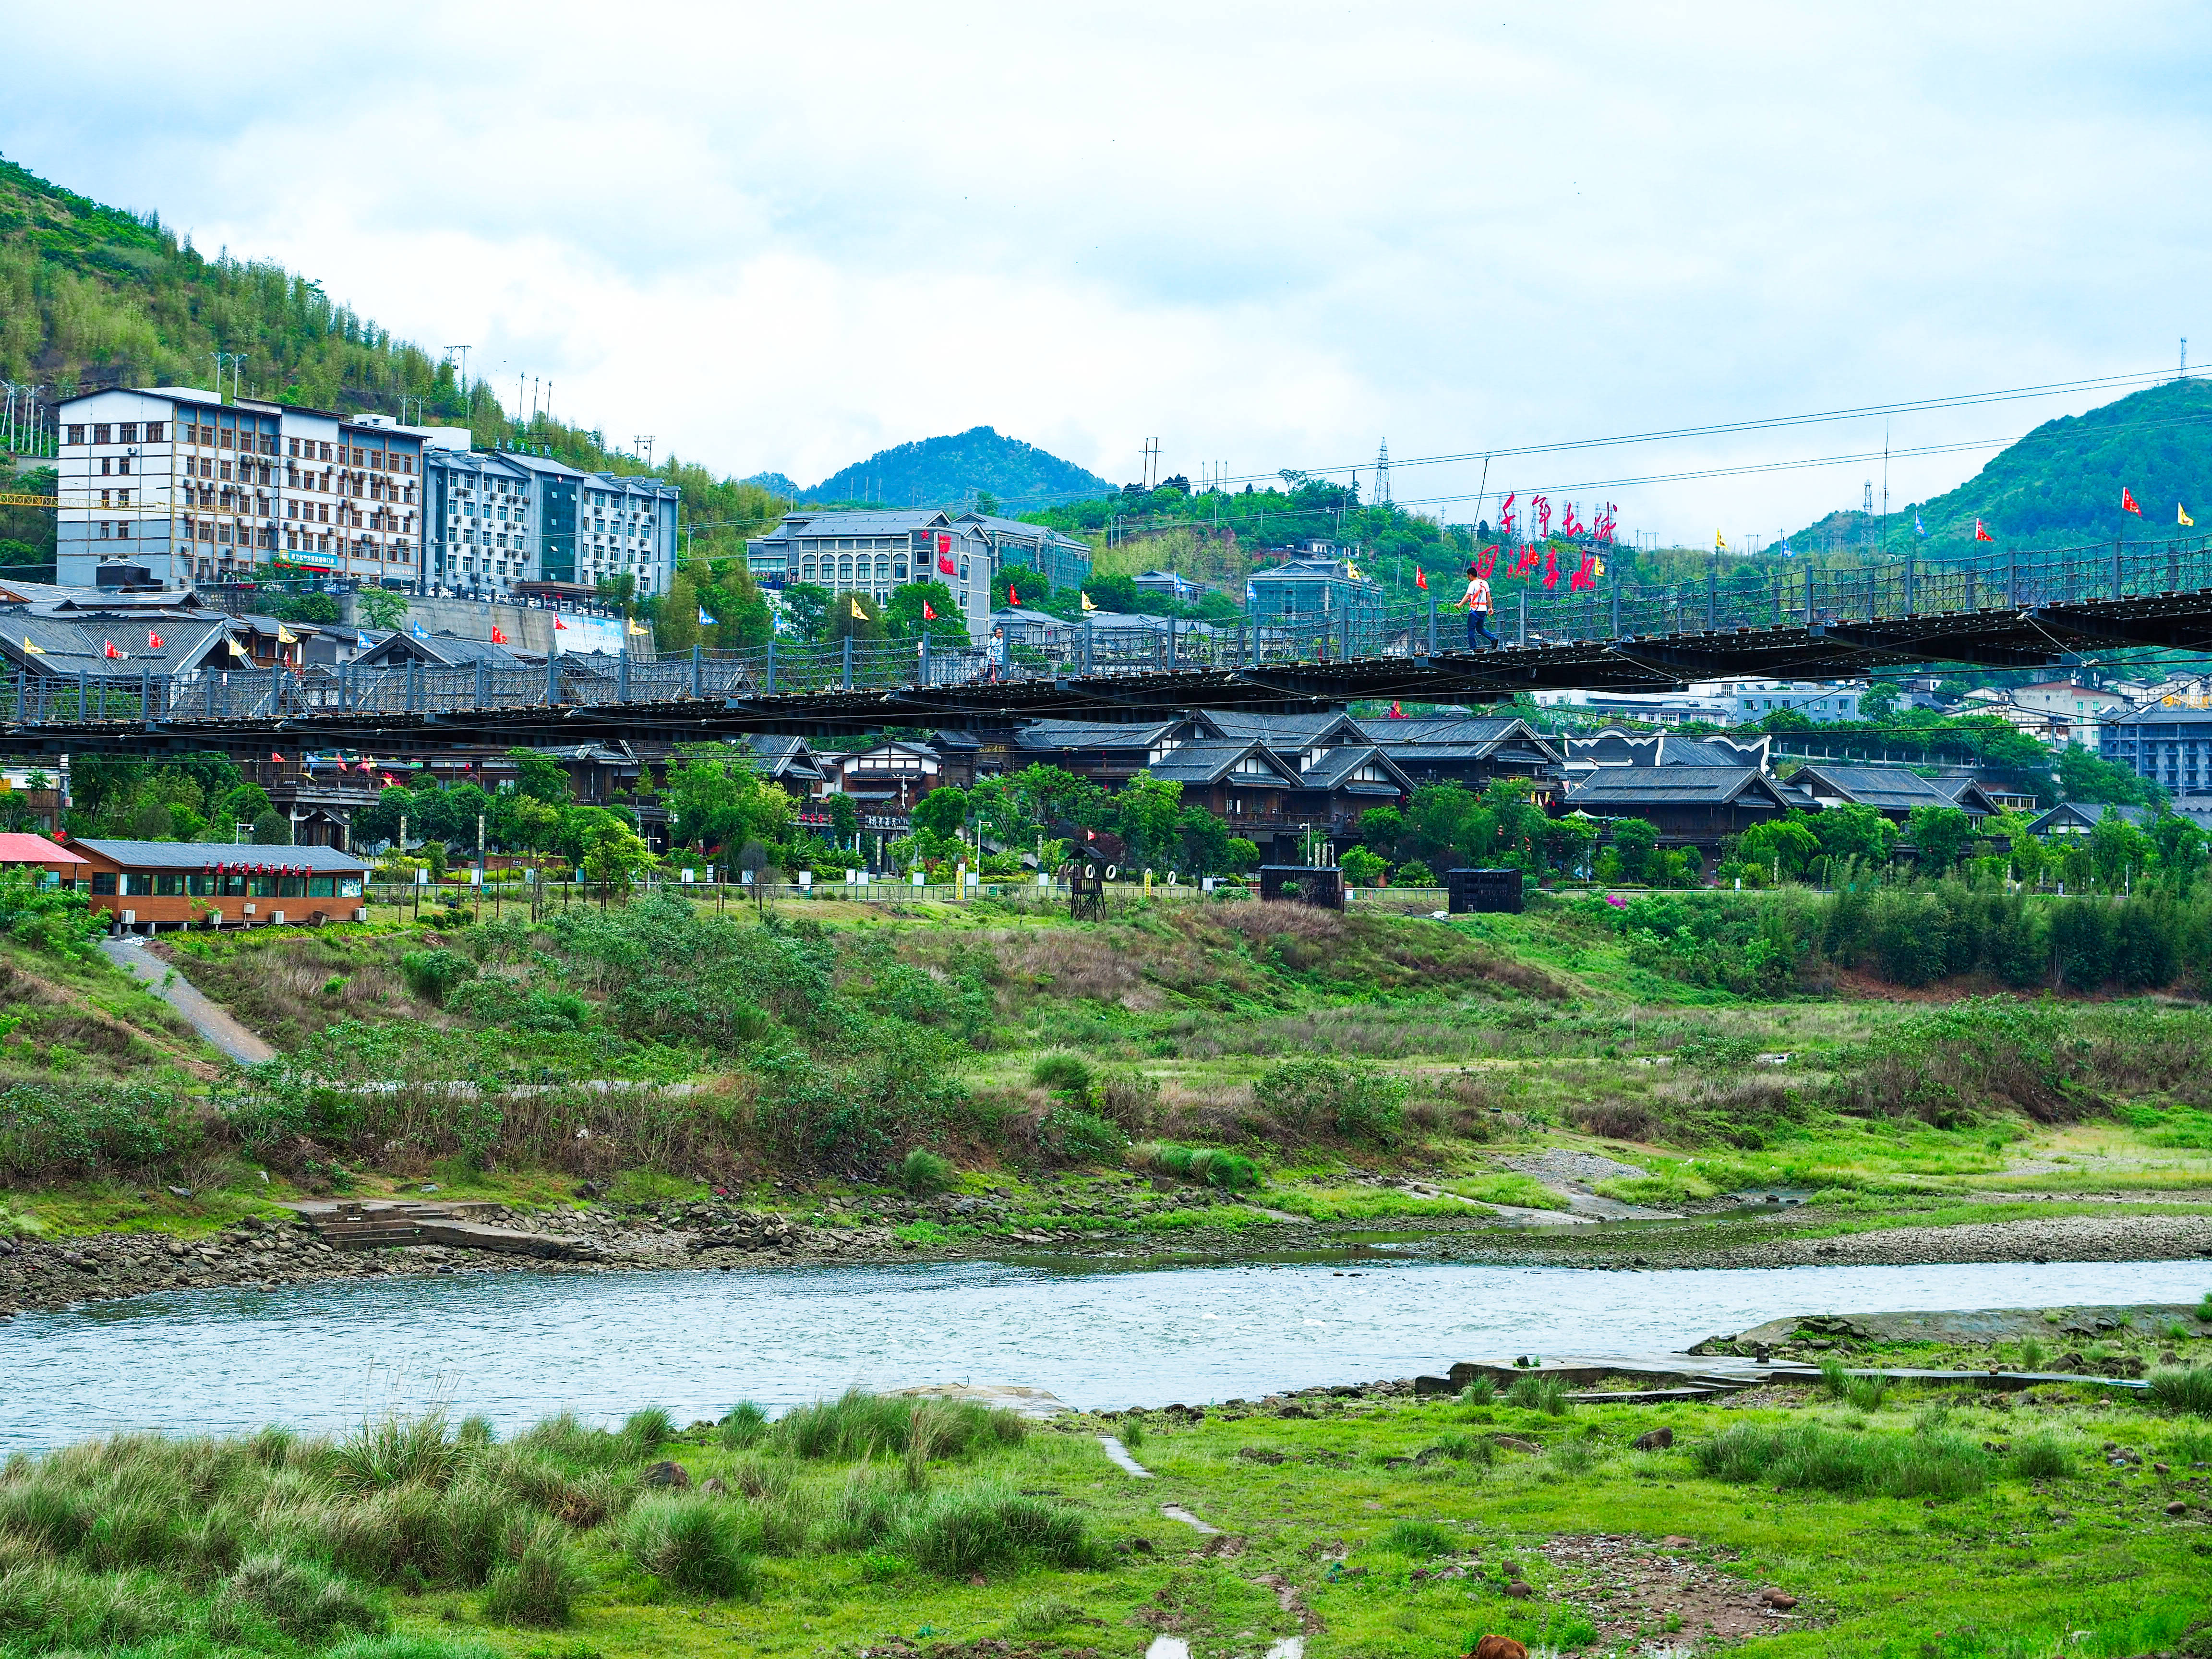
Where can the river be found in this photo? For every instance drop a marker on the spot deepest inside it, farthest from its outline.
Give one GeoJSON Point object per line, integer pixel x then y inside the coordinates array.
{"type": "Point", "coordinates": [517, 1345]}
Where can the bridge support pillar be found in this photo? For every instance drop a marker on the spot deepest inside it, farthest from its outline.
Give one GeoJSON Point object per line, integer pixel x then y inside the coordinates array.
{"type": "Point", "coordinates": [483, 683]}
{"type": "Point", "coordinates": [921, 660]}
{"type": "Point", "coordinates": [1911, 587]}
{"type": "Point", "coordinates": [1521, 639]}
{"type": "Point", "coordinates": [1712, 593]}
{"type": "Point", "coordinates": [848, 662]}
{"type": "Point", "coordinates": [2119, 574]}
{"type": "Point", "coordinates": [1808, 596]}
{"type": "Point", "coordinates": [552, 678]}
{"type": "Point", "coordinates": [771, 665]}
{"type": "Point", "coordinates": [697, 658]}
{"type": "Point", "coordinates": [1433, 624]}
{"type": "Point", "coordinates": [622, 676]}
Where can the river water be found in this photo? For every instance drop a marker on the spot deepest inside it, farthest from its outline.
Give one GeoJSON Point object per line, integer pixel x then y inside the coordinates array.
{"type": "Point", "coordinates": [516, 1346]}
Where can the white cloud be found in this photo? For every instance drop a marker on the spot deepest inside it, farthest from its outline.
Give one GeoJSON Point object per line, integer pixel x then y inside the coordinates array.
{"type": "Point", "coordinates": [783, 237]}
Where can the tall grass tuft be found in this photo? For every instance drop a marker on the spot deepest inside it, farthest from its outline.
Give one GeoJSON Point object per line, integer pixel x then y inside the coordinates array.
{"type": "Point", "coordinates": [693, 1543]}
{"type": "Point", "coordinates": [535, 1583]}
{"type": "Point", "coordinates": [1482, 1391]}
{"type": "Point", "coordinates": [2032, 1354]}
{"type": "Point", "coordinates": [1865, 1393]}
{"type": "Point", "coordinates": [921, 1172]}
{"type": "Point", "coordinates": [648, 1430]}
{"type": "Point", "coordinates": [2042, 1457]}
{"type": "Point", "coordinates": [1835, 1380]}
{"type": "Point", "coordinates": [1937, 1464]}
{"type": "Point", "coordinates": [743, 1424]}
{"type": "Point", "coordinates": [858, 1424]}
{"type": "Point", "coordinates": [1062, 1069]}
{"type": "Point", "coordinates": [392, 1450]}
{"type": "Point", "coordinates": [303, 1599]}
{"type": "Point", "coordinates": [965, 1530]}
{"type": "Point", "coordinates": [2183, 1388]}
{"type": "Point", "coordinates": [1418, 1538]}
{"type": "Point", "coordinates": [1547, 1395]}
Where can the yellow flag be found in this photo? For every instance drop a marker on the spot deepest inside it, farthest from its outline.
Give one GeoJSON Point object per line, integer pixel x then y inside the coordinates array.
{"type": "Point", "coordinates": [858, 615]}
{"type": "Point", "coordinates": [1597, 566]}
{"type": "Point", "coordinates": [1087, 605]}
{"type": "Point", "coordinates": [1720, 542]}
{"type": "Point", "coordinates": [33, 650]}
{"type": "Point", "coordinates": [2181, 515]}
{"type": "Point", "coordinates": [285, 635]}
{"type": "Point", "coordinates": [637, 627]}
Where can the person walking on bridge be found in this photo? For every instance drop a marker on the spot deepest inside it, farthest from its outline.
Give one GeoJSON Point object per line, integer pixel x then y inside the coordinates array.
{"type": "Point", "coordinates": [1477, 610]}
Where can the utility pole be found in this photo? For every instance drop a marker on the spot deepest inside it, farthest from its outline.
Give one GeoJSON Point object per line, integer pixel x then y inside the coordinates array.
{"type": "Point", "coordinates": [642, 446]}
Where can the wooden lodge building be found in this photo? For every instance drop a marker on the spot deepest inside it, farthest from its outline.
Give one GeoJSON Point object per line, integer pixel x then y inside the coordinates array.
{"type": "Point", "coordinates": [150, 886]}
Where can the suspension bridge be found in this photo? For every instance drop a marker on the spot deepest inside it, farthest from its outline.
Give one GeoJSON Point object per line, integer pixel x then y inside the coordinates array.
{"type": "Point", "coordinates": [1995, 609]}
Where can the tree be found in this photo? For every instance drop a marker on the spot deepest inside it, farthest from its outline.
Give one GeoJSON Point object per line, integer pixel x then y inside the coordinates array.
{"type": "Point", "coordinates": [844, 817]}
{"type": "Point", "coordinates": [540, 776]}
{"type": "Point", "coordinates": [1856, 831]}
{"type": "Point", "coordinates": [2086, 777]}
{"type": "Point", "coordinates": [1205, 842]}
{"type": "Point", "coordinates": [1244, 855]}
{"type": "Point", "coordinates": [855, 617]}
{"type": "Point", "coordinates": [1381, 829]}
{"type": "Point", "coordinates": [1056, 799]}
{"type": "Point", "coordinates": [1148, 814]}
{"type": "Point", "coordinates": [1361, 868]}
{"type": "Point", "coordinates": [903, 617]}
{"type": "Point", "coordinates": [1633, 842]}
{"type": "Point", "coordinates": [1781, 847]}
{"type": "Point", "coordinates": [806, 610]}
{"type": "Point", "coordinates": [1568, 841]}
{"type": "Point", "coordinates": [675, 626]}
{"type": "Point", "coordinates": [614, 855]}
{"type": "Point", "coordinates": [1878, 705]}
{"type": "Point", "coordinates": [2118, 850]}
{"type": "Point", "coordinates": [717, 800]}
{"type": "Point", "coordinates": [2181, 847]}
{"type": "Point", "coordinates": [942, 811]}
{"type": "Point", "coordinates": [1941, 834]}
{"type": "Point", "coordinates": [381, 608]}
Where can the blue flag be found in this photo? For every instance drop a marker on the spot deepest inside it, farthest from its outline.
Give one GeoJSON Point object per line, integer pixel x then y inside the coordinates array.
{"type": "Point", "coordinates": [1918, 528]}
{"type": "Point", "coordinates": [421, 632]}
{"type": "Point", "coordinates": [1786, 553]}
{"type": "Point", "coordinates": [361, 641]}
{"type": "Point", "coordinates": [705, 620]}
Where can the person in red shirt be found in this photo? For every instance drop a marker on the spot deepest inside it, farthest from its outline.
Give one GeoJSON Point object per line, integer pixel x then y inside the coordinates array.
{"type": "Point", "coordinates": [1477, 611]}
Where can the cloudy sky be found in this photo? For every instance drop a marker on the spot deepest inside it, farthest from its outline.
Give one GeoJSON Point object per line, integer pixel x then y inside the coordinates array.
{"type": "Point", "coordinates": [1270, 235]}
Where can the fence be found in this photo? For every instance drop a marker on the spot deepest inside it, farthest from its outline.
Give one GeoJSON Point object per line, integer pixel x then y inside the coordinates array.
{"type": "Point", "coordinates": [1609, 609]}
{"type": "Point", "coordinates": [885, 890]}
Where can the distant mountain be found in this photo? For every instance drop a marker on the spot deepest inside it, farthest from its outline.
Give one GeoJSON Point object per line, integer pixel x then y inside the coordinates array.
{"type": "Point", "coordinates": [775, 483]}
{"type": "Point", "coordinates": [946, 472]}
{"type": "Point", "coordinates": [2060, 485]}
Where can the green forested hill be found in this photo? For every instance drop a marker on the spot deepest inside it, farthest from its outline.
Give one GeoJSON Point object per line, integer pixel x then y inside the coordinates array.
{"type": "Point", "coordinates": [94, 296]}
{"type": "Point", "coordinates": [945, 471]}
{"type": "Point", "coordinates": [2060, 485]}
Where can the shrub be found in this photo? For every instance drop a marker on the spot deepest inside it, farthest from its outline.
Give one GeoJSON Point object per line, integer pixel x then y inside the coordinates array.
{"type": "Point", "coordinates": [432, 975]}
{"type": "Point", "coordinates": [2041, 1458]}
{"type": "Point", "coordinates": [1062, 1069]}
{"type": "Point", "coordinates": [1130, 1101]}
{"type": "Point", "coordinates": [1326, 1095]}
{"type": "Point", "coordinates": [1835, 1380]}
{"type": "Point", "coordinates": [536, 1584]}
{"type": "Point", "coordinates": [1082, 1136]}
{"type": "Point", "coordinates": [965, 1530]}
{"type": "Point", "coordinates": [1479, 1392]}
{"type": "Point", "coordinates": [1547, 1395]}
{"type": "Point", "coordinates": [2183, 1388]}
{"type": "Point", "coordinates": [921, 1172]}
{"type": "Point", "coordinates": [692, 1543]}
{"type": "Point", "coordinates": [1424, 1538]}
{"type": "Point", "coordinates": [1232, 1172]}
{"type": "Point", "coordinates": [744, 1423]}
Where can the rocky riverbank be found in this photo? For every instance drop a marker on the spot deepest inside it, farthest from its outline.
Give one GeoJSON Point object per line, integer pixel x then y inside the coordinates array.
{"type": "Point", "coordinates": [48, 1273]}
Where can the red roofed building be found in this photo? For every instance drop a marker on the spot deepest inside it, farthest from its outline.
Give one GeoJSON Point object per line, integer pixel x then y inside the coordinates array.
{"type": "Point", "coordinates": [19, 852]}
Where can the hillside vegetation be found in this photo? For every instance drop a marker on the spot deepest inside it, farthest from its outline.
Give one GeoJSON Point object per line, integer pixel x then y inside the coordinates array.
{"type": "Point", "coordinates": [956, 471]}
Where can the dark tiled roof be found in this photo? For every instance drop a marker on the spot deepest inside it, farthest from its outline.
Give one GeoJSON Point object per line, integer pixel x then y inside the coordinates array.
{"type": "Point", "coordinates": [1335, 769]}
{"type": "Point", "coordinates": [68, 642]}
{"type": "Point", "coordinates": [1889, 788]}
{"type": "Point", "coordinates": [1210, 760]}
{"type": "Point", "coordinates": [205, 854]}
{"type": "Point", "coordinates": [1092, 734]}
{"type": "Point", "coordinates": [1673, 786]}
{"type": "Point", "coordinates": [2088, 814]}
{"type": "Point", "coordinates": [1284, 732]}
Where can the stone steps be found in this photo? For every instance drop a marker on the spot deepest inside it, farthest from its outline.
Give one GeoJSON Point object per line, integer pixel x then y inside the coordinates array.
{"type": "Point", "coordinates": [386, 1224]}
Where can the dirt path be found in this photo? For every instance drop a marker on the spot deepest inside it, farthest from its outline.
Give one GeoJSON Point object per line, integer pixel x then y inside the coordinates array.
{"type": "Point", "coordinates": [129, 952]}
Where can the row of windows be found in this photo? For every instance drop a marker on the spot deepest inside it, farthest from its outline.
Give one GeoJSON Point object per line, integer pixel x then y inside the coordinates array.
{"type": "Point", "coordinates": [124, 433]}
{"type": "Point", "coordinates": [845, 571]}
{"type": "Point", "coordinates": [134, 883]}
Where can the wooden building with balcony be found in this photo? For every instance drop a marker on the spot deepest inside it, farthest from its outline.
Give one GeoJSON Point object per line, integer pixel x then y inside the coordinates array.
{"type": "Point", "coordinates": [151, 886]}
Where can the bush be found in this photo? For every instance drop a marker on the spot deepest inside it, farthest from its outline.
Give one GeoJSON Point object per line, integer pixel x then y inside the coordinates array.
{"type": "Point", "coordinates": [1232, 1172]}
{"type": "Point", "coordinates": [692, 1543]}
{"type": "Point", "coordinates": [433, 975]}
{"type": "Point", "coordinates": [1082, 1136]}
{"type": "Point", "coordinates": [1479, 1392]}
{"type": "Point", "coordinates": [2179, 1388]}
{"type": "Point", "coordinates": [921, 1172]}
{"type": "Point", "coordinates": [1328, 1095]}
{"type": "Point", "coordinates": [1129, 1101]}
{"type": "Point", "coordinates": [1062, 1069]}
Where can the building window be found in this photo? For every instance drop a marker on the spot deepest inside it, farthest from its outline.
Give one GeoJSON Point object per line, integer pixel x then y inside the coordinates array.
{"type": "Point", "coordinates": [77, 436]}
{"type": "Point", "coordinates": [154, 429]}
{"type": "Point", "coordinates": [127, 433]}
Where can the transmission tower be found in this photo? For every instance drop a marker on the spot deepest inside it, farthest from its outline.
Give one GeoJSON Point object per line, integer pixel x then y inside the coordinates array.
{"type": "Point", "coordinates": [1151, 463]}
{"type": "Point", "coordinates": [1383, 474]}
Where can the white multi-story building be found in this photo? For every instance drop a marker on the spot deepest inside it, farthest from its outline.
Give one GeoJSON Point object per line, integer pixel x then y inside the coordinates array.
{"type": "Point", "coordinates": [872, 553]}
{"type": "Point", "coordinates": [503, 519]}
{"type": "Point", "coordinates": [199, 490]}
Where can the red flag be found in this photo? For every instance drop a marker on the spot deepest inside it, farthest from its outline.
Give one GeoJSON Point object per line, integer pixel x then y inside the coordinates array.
{"type": "Point", "coordinates": [153, 640]}
{"type": "Point", "coordinates": [1551, 567]}
{"type": "Point", "coordinates": [944, 542]}
{"type": "Point", "coordinates": [1396, 713]}
{"type": "Point", "coordinates": [497, 638]}
{"type": "Point", "coordinates": [1420, 579]}
{"type": "Point", "coordinates": [1012, 597]}
{"type": "Point", "coordinates": [110, 650]}
{"type": "Point", "coordinates": [1980, 534]}
{"type": "Point", "coordinates": [278, 759]}
{"type": "Point", "coordinates": [927, 614]}
{"type": "Point", "coordinates": [2127, 502]}
{"type": "Point", "coordinates": [557, 623]}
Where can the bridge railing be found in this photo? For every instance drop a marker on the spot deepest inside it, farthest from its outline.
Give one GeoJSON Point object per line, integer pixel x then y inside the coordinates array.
{"type": "Point", "coordinates": [1527, 614]}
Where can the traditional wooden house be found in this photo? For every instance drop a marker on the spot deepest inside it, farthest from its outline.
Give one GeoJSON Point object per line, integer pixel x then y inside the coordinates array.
{"type": "Point", "coordinates": [1892, 791]}
{"type": "Point", "coordinates": [1688, 805]}
{"type": "Point", "coordinates": [149, 886]}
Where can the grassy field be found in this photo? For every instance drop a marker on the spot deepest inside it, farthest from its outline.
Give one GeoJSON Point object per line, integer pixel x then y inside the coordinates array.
{"type": "Point", "coordinates": [1370, 1526]}
{"type": "Point", "coordinates": [1337, 1053]}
